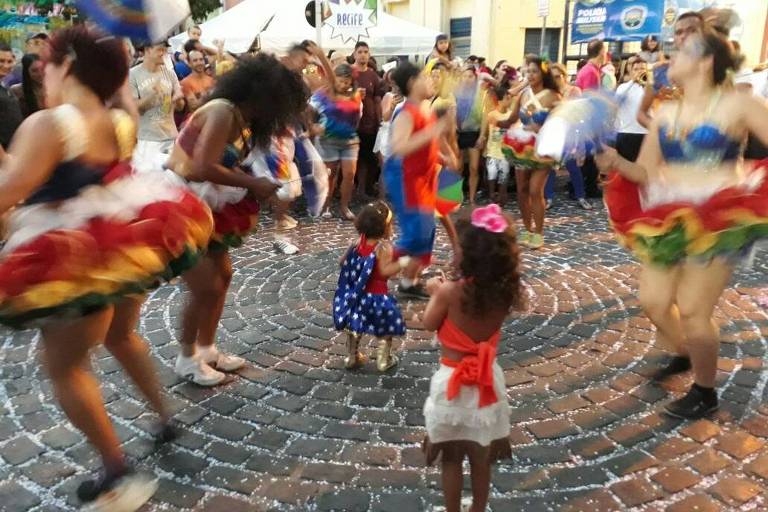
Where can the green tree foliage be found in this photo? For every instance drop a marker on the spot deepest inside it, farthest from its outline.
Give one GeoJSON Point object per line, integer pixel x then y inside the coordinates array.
{"type": "Point", "coordinates": [202, 8]}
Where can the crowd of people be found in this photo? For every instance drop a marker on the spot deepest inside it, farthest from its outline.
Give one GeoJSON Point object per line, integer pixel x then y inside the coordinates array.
{"type": "Point", "coordinates": [126, 167]}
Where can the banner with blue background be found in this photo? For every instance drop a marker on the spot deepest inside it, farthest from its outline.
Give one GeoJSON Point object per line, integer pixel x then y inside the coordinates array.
{"type": "Point", "coordinates": [616, 20]}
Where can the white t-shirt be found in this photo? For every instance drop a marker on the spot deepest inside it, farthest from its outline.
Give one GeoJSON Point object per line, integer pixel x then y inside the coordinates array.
{"type": "Point", "coordinates": [630, 96]}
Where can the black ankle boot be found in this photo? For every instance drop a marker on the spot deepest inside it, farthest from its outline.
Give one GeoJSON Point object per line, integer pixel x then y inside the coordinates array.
{"type": "Point", "coordinates": [697, 403]}
{"type": "Point", "coordinates": [678, 364]}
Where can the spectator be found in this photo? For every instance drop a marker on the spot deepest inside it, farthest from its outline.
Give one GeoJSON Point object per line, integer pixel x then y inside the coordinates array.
{"type": "Point", "coordinates": [194, 33]}
{"type": "Point", "coordinates": [30, 91]}
{"type": "Point", "coordinates": [608, 80]}
{"type": "Point", "coordinates": [182, 67]}
{"type": "Point", "coordinates": [443, 50]}
{"type": "Point", "coordinates": [157, 92]}
{"type": "Point", "coordinates": [589, 77]}
{"type": "Point", "coordinates": [10, 112]}
{"type": "Point", "coordinates": [630, 132]}
{"type": "Point", "coordinates": [198, 84]}
{"type": "Point", "coordinates": [504, 74]}
{"type": "Point", "coordinates": [335, 57]}
{"type": "Point", "coordinates": [35, 44]}
{"type": "Point", "coordinates": [367, 79]}
{"type": "Point", "coordinates": [650, 50]}
{"type": "Point", "coordinates": [482, 67]}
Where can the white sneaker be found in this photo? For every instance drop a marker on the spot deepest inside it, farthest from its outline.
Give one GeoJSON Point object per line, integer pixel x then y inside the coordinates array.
{"type": "Point", "coordinates": [129, 494]}
{"type": "Point", "coordinates": [286, 247]}
{"type": "Point", "coordinates": [326, 214]}
{"type": "Point", "coordinates": [197, 371]}
{"type": "Point", "coordinates": [223, 362]}
{"type": "Point", "coordinates": [584, 203]}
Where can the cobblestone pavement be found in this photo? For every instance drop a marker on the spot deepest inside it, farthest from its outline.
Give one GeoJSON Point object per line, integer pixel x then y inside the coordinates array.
{"type": "Point", "coordinates": [295, 431]}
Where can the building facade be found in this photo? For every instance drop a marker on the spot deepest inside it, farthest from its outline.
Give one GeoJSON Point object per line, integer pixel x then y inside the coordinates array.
{"type": "Point", "coordinates": [510, 29]}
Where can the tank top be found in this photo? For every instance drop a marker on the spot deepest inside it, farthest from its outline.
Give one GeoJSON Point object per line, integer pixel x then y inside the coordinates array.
{"type": "Point", "coordinates": [420, 167]}
{"type": "Point", "coordinates": [495, 136]}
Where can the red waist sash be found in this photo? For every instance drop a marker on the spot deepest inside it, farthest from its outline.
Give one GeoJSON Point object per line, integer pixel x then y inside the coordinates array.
{"type": "Point", "coordinates": [475, 368]}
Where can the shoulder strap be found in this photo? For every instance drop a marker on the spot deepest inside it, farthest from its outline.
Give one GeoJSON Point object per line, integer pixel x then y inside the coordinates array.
{"type": "Point", "coordinates": [70, 125]}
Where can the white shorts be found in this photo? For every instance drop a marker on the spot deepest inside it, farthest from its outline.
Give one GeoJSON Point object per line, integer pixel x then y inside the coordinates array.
{"type": "Point", "coordinates": [150, 155]}
{"type": "Point", "coordinates": [498, 169]}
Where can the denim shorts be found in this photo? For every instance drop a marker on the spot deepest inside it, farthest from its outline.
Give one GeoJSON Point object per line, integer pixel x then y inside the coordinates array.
{"type": "Point", "coordinates": [336, 150]}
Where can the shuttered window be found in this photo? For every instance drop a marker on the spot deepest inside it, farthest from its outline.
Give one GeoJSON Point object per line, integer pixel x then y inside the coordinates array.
{"type": "Point", "coordinates": [461, 36]}
{"type": "Point", "coordinates": [551, 43]}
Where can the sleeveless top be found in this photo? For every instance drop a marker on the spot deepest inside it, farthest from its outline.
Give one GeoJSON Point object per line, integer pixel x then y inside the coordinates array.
{"type": "Point", "coordinates": [190, 133]}
{"type": "Point", "coordinates": [420, 167]}
{"type": "Point", "coordinates": [495, 138]}
{"type": "Point", "coordinates": [538, 114]}
{"type": "Point", "coordinates": [377, 284]}
{"type": "Point", "coordinates": [704, 144]}
{"type": "Point", "coordinates": [339, 116]}
{"type": "Point", "coordinates": [71, 175]}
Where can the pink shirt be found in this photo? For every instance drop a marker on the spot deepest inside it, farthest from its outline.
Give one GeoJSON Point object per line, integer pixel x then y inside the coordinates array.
{"type": "Point", "coordinates": [588, 78]}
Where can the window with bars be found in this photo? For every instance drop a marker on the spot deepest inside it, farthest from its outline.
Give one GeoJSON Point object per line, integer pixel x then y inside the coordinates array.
{"type": "Point", "coordinates": [461, 36]}
{"type": "Point", "coordinates": [551, 42]}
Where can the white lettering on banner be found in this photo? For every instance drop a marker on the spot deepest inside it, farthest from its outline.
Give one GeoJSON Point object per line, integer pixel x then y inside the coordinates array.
{"type": "Point", "coordinates": [350, 20]}
{"type": "Point", "coordinates": [594, 15]}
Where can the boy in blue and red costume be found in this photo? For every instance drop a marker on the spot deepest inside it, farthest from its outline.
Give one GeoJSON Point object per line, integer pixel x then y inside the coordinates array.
{"type": "Point", "coordinates": [417, 150]}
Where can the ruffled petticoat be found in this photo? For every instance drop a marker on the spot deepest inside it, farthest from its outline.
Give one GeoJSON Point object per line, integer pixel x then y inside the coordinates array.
{"type": "Point", "coordinates": [118, 238]}
{"type": "Point", "coordinates": [519, 145]}
{"type": "Point", "coordinates": [461, 419]}
{"type": "Point", "coordinates": [235, 212]}
{"type": "Point", "coordinates": [666, 225]}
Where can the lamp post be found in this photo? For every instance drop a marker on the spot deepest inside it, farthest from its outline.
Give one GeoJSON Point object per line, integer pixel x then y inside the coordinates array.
{"type": "Point", "coordinates": [566, 16]}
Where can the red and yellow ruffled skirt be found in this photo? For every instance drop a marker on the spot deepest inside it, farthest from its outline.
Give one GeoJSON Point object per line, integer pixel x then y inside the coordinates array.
{"type": "Point", "coordinates": [725, 224]}
{"type": "Point", "coordinates": [235, 213]}
{"type": "Point", "coordinates": [119, 238]}
{"type": "Point", "coordinates": [519, 146]}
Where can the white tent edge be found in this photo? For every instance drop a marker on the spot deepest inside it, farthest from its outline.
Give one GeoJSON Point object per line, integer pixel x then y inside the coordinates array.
{"type": "Point", "coordinates": [285, 24]}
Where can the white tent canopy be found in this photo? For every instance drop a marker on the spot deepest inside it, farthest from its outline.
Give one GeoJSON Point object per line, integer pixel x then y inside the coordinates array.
{"type": "Point", "coordinates": [286, 24]}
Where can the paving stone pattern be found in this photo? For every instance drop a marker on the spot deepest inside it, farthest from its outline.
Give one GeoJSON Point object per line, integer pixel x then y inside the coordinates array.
{"type": "Point", "coordinates": [295, 431]}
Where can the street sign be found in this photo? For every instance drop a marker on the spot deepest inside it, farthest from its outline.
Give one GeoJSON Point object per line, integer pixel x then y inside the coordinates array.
{"type": "Point", "coordinates": [543, 8]}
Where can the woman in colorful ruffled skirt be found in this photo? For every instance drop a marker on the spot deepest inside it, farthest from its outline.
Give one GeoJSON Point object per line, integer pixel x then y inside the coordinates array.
{"type": "Point", "coordinates": [250, 104]}
{"type": "Point", "coordinates": [531, 108]}
{"type": "Point", "coordinates": [86, 239]}
{"type": "Point", "coordinates": [690, 209]}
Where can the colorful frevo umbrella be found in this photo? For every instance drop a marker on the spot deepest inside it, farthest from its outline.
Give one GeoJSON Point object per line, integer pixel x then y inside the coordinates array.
{"type": "Point", "coordinates": [142, 20]}
{"type": "Point", "coordinates": [450, 192]}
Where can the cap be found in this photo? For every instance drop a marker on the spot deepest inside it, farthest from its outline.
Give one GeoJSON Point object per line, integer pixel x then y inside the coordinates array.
{"type": "Point", "coordinates": [441, 37]}
{"type": "Point", "coordinates": [38, 35]}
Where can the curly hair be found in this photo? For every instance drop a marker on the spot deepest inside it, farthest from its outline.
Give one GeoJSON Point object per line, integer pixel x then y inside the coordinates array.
{"type": "Point", "coordinates": [490, 265]}
{"type": "Point", "coordinates": [276, 93]}
{"type": "Point", "coordinates": [373, 219]}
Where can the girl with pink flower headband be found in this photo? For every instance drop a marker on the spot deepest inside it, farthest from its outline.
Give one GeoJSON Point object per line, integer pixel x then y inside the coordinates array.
{"type": "Point", "coordinates": [466, 413]}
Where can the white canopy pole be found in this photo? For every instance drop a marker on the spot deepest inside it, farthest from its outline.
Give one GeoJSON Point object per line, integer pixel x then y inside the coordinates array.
{"type": "Point", "coordinates": [319, 22]}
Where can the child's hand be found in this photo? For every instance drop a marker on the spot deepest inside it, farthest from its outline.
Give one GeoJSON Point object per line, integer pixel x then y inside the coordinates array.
{"type": "Point", "coordinates": [404, 261]}
{"type": "Point", "coordinates": [433, 284]}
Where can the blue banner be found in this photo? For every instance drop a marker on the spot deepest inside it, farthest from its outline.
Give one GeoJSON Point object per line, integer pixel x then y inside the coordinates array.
{"type": "Point", "coordinates": [616, 20]}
